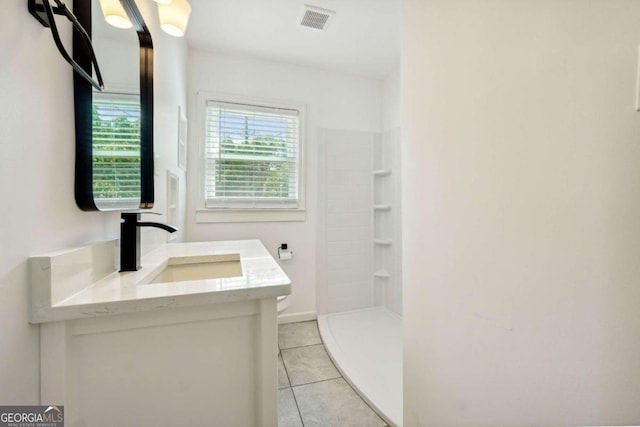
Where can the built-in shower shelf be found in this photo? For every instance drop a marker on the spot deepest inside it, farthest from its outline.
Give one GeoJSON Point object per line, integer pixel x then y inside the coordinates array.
{"type": "Point", "coordinates": [382, 242]}
{"type": "Point", "coordinates": [382, 274]}
{"type": "Point", "coordinates": [382, 172]}
{"type": "Point", "coordinates": [382, 207]}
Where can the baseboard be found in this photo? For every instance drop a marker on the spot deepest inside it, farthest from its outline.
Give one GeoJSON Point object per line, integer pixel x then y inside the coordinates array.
{"type": "Point", "coordinates": [297, 317]}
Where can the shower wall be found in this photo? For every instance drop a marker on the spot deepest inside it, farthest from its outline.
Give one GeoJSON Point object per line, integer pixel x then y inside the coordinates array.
{"type": "Point", "coordinates": [359, 259]}
{"type": "Point", "coordinates": [344, 220]}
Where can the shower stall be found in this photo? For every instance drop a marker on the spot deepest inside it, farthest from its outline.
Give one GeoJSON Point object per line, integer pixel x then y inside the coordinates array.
{"type": "Point", "coordinates": [359, 283]}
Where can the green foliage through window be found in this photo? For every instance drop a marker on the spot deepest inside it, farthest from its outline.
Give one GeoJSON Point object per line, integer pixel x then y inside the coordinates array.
{"type": "Point", "coordinates": [116, 147]}
{"type": "Point", "coordinates": [251, 156]}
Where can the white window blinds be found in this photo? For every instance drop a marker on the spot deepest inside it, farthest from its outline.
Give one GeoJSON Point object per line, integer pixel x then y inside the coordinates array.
{"type": "Point", "coordinates": [116, 150]}
{"type": "Point", "coordinates": [251, 156]}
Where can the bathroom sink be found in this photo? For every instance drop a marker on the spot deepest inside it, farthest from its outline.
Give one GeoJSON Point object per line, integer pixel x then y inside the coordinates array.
{"type": "Point", "coordinates": [183, 269]}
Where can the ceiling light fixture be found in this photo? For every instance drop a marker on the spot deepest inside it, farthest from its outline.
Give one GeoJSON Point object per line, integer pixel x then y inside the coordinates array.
{"type": "Point", "coordinates": [114, 14]}
{"type": "Point", "coordinates": [174, 17]}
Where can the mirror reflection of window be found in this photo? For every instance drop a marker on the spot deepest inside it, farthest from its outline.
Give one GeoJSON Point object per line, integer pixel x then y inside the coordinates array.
{"type": "Point", "coordinates": [116, 116]}
{"type": "Point", "coordinates": [116, 150]}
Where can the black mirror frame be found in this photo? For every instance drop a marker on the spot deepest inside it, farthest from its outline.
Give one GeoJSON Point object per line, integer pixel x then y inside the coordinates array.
{"type": "Point", "coordinates": [83, 100]}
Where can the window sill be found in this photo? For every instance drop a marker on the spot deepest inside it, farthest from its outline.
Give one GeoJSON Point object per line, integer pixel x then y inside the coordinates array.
{"type": "Point", "coordinates": [249, 215]}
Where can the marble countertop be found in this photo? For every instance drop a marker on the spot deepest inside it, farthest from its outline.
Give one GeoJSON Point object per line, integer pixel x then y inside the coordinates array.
{"type": "Point", "coordinates": [79, 283]}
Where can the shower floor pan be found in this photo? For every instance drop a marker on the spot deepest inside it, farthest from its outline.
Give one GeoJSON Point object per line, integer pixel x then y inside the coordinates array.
{"type": "Point", "coordinates": [366, 346]}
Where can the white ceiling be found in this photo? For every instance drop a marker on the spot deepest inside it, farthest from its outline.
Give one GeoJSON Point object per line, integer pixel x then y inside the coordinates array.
{"type": "Point", "coordinates": [362, 38]}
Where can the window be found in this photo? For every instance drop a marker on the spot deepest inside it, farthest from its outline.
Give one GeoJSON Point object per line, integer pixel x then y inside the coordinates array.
{"type": "Point", "coordinates": [252, 156]}
{"type": "Point", "coordinates": [116, 150]}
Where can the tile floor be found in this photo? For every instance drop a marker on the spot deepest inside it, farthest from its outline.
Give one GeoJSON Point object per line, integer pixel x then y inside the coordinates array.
{"type": "Point", "coordinates": [312, 393]}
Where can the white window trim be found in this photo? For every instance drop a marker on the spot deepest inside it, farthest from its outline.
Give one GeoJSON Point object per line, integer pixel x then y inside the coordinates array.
{"type": "Point", "coordinates": [214, 215]}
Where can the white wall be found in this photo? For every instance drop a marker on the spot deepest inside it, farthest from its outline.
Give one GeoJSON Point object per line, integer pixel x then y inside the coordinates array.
{"type": "Point", "coordinates": [170, 91]}
{"type": "Point", "coordinates": [334, 101]}
{"type": "Point", "coordinates": [521, 212]}
{"type": "Point", "coordinates": [391, 97]}
{"type": "Point", "coordinates": [38, 212]}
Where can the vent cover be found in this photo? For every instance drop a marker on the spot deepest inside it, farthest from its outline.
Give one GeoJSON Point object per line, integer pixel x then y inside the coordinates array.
{"type": "Point", "coordinates": [316, 17]}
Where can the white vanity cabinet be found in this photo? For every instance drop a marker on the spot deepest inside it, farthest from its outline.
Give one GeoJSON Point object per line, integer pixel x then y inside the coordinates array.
{"type": "Point", "coordinates": [122, 350]}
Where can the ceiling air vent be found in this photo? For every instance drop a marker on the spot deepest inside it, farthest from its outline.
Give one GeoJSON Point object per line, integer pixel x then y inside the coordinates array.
{"type": "Point", "coordinates": [316, 17]}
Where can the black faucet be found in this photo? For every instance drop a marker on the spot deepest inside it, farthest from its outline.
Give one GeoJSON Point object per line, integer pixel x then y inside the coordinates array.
{"type": "Point", "coordinates": [130, 239]}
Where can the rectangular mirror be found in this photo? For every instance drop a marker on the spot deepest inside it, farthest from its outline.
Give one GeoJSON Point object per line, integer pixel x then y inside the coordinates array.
{"type": "Point", "coordinates": [114, 127]}
{"type": "Point", "coordinates": [116, 116]}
